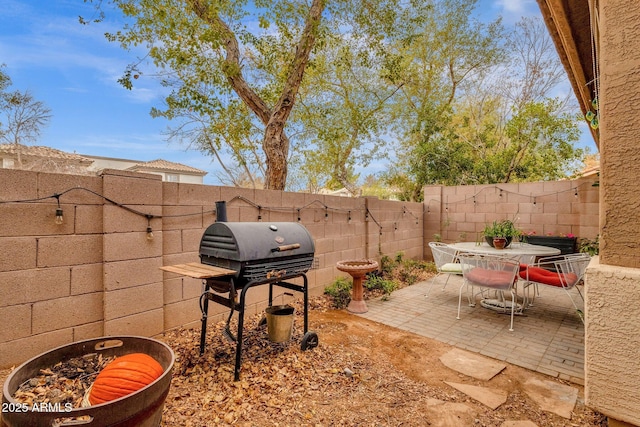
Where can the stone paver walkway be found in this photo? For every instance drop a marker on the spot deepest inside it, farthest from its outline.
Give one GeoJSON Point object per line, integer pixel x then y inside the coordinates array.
{"type": "Point", "coordinates": [548, 338]}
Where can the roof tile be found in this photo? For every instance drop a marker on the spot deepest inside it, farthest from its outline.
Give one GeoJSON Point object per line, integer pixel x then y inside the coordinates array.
{"type": "Point", "coordinates": [40, 151]}
{"type": "Point", "coordinates": [166, 165]}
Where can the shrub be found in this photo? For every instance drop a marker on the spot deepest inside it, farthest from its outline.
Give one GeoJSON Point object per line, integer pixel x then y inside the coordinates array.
{"type": "Point", "coordinates": [591, 247]}
{"type": "Point", "coordinates": [407, 271]}
{"type": "Point", "coordinates": [393, 274]}
{"type": "Point", "coordinates": [430, 267]}
{"type": "Point", "coordinates": [387, 266]}
{"type": "Point", "coordinates": [340, 292]}
{"type": "Point", "coordinates": [375, 282]}
{"type": "Point", "coordinates": [410, 270]}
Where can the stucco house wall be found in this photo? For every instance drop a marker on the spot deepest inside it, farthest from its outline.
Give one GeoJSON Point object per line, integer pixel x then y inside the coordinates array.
{"type": "Point", "coordinates": [612, 377]}
{"type": "Point", "coordinates": [598, 42]}
{"type": "Point", "coordinates": [612, 342]}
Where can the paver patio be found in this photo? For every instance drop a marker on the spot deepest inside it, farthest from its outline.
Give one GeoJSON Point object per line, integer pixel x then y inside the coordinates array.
{"type": "Point", "coordinates": [548, 338]}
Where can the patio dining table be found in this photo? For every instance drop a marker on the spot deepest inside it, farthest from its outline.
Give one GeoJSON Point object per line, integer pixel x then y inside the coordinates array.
{"type": "Point", "coordinates": [524, 252]}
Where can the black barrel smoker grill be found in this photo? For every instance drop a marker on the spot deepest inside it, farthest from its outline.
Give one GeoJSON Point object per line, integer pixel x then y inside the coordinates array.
{"type": "Point", "coordinates": [259, 253]}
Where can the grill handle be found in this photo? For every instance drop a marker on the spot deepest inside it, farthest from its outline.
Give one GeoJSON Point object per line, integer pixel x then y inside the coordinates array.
{"type": "Point", "coordinates": [286, 247]}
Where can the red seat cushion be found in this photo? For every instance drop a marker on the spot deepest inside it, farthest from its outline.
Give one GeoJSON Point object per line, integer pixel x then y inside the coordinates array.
{"type": "Point", "coordinates": [551, 278]}
{"type": "Point", "coordinates": [490, 278]}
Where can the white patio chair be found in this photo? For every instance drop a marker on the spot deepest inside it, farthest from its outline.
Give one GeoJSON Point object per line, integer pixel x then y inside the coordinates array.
{"type": "Point", "coordinates": [446, 260]}
{"type": "Point", "coordinates": [490, 272]}
{"type": "Point", "coordinates": [562, 271]}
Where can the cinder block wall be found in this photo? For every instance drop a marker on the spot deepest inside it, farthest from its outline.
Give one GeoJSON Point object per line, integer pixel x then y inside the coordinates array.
{"type": "Point", "coordinates": [51, 276]}
{"type": "Point", "coordinates": [98, 273]}
{"type": "Point", "coordinates": [559, 207]}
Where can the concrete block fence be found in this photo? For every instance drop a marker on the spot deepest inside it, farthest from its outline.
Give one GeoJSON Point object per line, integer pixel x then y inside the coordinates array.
{"type": "Point", "coordinates": [546, 208]}
{"type": "Point", "coordinates": [98, 273]}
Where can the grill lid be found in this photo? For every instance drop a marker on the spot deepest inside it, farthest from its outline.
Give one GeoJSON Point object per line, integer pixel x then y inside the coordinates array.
{"type": "Point", "coordinates": [251, 241]}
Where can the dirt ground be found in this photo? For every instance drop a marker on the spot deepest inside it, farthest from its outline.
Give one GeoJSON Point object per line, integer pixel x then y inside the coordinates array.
{"type": "Point", "coordinates": [361, 374]}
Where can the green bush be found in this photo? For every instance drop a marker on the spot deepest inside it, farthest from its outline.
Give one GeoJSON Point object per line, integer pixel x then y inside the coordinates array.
{"type": "Point", "coordinates": [430, 267]}
{"type": "Point", "coordinates": [375, 282]}
{"type": "Point", "coordinates": [387, 266]}
{"type": "Point", "coordinates": [591, 247]}
{"type": "Point", "coordinates": [393, 273]}
{"type": "Point", "coordinates": [405, 270]}
{"type": "Point", "coordinates": [340, 292]}
{"type": "Point", "coordinates": [410, 269]}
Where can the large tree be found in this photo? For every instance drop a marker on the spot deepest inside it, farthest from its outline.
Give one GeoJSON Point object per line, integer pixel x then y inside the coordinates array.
{"type": "Point", "coordinates": [347, 80]}
{"type": "Point", "coordinates": [443, 49]}
{"type": "Point", "coordinates": [510, 122]}
{"type": "Point", "coordinates": [534, 71]}
{"type": "Point", "coordinates": [207, 50]}
{"type": "Point", "coordinates": [343, 113]}
{"type": "Point", "coordinates": [517, 124]}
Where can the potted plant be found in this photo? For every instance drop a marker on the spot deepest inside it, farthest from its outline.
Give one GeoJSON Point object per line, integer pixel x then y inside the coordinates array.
{"type": "Point", "coordinates": [566, 243]}
{"type": "Point", "coordinates": [505, 229]}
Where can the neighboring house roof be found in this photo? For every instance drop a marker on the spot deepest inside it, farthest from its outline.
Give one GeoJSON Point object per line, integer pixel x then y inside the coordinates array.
{"type": "Point", "coordinates": [590, 169]}
{"type": "Point", "coordinates": [47, 159]}
{"type": "Point", "coordinates": [43, 159]}
{"type": "Point", "coordinates": [29, 151]}
{"type": "Point", "coordinates": [165, 165]}
{"type": "Point", "coordinates": [343, 192]}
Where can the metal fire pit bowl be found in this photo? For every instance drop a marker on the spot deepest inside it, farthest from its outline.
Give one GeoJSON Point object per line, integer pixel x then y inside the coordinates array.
{"type": "Point", "coordinates": [142, 408]}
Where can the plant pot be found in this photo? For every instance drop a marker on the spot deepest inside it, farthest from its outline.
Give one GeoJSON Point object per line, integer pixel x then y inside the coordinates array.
{"type": "Point", "coordinates": [499, 242]}
{"type": "Point", "coordinates": [489, 240]}
{"type": "Point", "coordinates": [142, 408]}
{"type": "Point", "coordinates": [566, 245]}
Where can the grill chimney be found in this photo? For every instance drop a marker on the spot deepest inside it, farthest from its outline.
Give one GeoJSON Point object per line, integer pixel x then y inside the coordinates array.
{"type": "Point", "coordinates": [221, 211]}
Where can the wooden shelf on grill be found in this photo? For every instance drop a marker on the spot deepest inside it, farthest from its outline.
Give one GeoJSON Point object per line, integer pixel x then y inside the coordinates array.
{"type": "Point", "coordinates": [198, 270]}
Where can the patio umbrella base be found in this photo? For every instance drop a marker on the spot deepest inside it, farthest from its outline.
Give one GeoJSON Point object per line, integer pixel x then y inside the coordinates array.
{"type": "Point", "coordinates": [500, 306]}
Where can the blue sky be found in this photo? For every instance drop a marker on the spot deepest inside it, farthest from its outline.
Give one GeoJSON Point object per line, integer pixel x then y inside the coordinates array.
{"type": "Point", "coordinates": [74, 71]}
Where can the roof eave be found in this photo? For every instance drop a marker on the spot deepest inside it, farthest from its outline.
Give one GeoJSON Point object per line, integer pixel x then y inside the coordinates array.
{"type": "Point", "coordinates": [568, 22]}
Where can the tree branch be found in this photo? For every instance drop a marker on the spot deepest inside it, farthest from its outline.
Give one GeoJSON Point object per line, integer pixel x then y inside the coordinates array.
{"type": "Point", "coordinates": [233, 68]}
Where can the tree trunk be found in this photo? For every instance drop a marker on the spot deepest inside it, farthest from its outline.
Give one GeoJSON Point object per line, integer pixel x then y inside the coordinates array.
{"type": "Point", "coordinates": [276, 148]}
{"type": "Point", "coordinates": [275, 143]}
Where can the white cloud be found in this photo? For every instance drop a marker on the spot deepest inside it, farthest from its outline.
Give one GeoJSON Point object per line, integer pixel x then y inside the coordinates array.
{"type": "Point", "coordinates": [514, 10]}
{"type": "Point", "coordinates": [512, 6]}
{"type": "Point", "coordinates": [61, 43]}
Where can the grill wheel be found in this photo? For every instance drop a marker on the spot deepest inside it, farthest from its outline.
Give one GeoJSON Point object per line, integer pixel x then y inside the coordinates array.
{"type": "Point", "coordinates": [309, 341]}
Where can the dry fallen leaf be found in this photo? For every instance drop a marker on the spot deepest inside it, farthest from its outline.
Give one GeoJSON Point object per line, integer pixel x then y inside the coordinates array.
{"type": "Point", "coordinates": [396, 375]}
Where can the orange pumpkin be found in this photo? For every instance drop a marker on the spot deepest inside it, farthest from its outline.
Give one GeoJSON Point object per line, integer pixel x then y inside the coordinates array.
{"type": "Point", "coordinates": [123, 376]}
